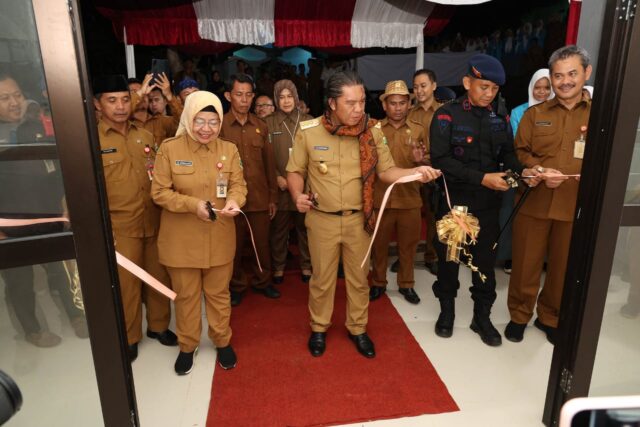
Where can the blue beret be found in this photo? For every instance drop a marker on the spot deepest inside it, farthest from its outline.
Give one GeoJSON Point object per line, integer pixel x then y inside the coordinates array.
{"type": "Point", "coordinates": [486, 67]}
{"type": "Point", "coordinates": [185, 83]}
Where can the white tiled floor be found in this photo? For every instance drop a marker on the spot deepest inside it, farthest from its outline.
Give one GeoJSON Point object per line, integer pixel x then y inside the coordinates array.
{"type": "Point", "coordinates": [502, 386]}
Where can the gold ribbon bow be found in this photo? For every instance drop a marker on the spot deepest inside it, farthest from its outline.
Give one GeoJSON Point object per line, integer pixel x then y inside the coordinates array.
{"type": "Point", "coordinates": [453, 230]}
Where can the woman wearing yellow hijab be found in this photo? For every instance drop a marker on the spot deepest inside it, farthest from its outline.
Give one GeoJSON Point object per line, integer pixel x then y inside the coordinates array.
{"type": "Point", "coordinates": [199, 184]}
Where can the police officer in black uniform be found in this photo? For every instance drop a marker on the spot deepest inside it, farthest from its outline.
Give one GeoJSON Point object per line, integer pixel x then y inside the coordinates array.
{"type": "Point", "coordinates": [469, 141]}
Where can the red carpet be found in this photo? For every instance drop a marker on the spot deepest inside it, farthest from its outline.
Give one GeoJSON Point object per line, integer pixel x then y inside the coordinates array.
{"type": "Point", "coordinates": [278, 383]}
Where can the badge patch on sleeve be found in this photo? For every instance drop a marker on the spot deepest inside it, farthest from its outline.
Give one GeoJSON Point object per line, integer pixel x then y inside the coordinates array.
{"type": "Point", "coordinates": [444, 120]}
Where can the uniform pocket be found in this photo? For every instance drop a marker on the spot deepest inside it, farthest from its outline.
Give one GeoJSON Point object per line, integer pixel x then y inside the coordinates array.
{"type": "Point", "coordinates": [545, 141]}
{"type": "Point", "coordinates": [256, 149]}
{"type": "Point", "coordinates": [113, 165]}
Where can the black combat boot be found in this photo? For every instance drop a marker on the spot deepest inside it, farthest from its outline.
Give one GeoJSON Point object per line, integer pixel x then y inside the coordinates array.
{"type": "Point", "coordinates": [444, 325]}
{"type": "Point", "coordinates": [481, 324]}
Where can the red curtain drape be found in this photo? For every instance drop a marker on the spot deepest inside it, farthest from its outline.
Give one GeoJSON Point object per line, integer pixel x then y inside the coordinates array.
{"type": "Point", "coordinates": [439, 18]}
{"type": "Point", "coordinates": [573, 22]}
{"type": "Point", "coordinates": [313, 23]}
{"type": "Point", "coordinates": [175, 25]}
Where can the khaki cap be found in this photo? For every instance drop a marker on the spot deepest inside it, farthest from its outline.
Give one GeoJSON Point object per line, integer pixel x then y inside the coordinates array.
{"type": "Point", "coordinates": [396, 87]}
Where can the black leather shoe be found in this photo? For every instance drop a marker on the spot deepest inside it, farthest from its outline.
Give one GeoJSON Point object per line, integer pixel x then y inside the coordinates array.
{"type": "Point", "coordinates": [276, 280]}
{"type": "Point", "coordinates": [305, 277]}
{"type": "Point", "coordinates": [514, 331]}
{"type": "Point", "coordinates": [549, 331]}
{"type": "Point", "coordinates": [236, 298]}
{"type": "Point", "coordinates": [432, 267]}
{"type": "Point", "coordinates": [167, 337]}
{"type": "Point", "coordinates": [133, 352]}
{"type": "Point", "coordinates": [227, 357]}
{"type": "Point", "coordinates": [317, 343]}
{"type": "Point", "coordinates": [481, 325]}
{"type": "Point", "coordinates": [364, 345]}
{"type": "Point", "coordinates": [269, 292]}
{"type": "Point", "coordinates": [395, 266]}
{"type": "Point", "coordinates": [444, 325]}
{"type": "Point", "coordinates": [410, 295]}
{"type": "Point", "coordinates": [376, 292]}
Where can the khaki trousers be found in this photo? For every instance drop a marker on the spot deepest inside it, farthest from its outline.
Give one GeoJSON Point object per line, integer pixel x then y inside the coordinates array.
{"type": "Point", "coordinates": [430, 254]}
{"type": "Point", "coordinates": [533, 239]}
{"type": "Point", "coordinates": [190, 284]}
{"type": "Point", "coordinates": [143, 251]}
{"type": "Point", "coordinates": [245, 259]}
{"type": "Point", "coordinates": [280, 240]}
{"type": "Point", "coordinates": [331, 236]}
{"type": "Point", "coordinates": [406, 223]}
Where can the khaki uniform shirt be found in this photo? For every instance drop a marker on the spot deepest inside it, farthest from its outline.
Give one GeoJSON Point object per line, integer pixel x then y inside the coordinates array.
{"type": "Point", "coordinates": [424, 117]}
{"type": "Point", "coordinates": [126, 167]}
{"type": "Point", "coordinates": [160, 126]}
{"type": "Point", "coordinates": [282, 130]}
{"type": "Point", "coordinates": [257, 159]}
{"type": "Point", "coordinates": [403, 196]}
{"type": "Point", "coordinates": [340, 188]}
{"type": "Point", "coordinates": [186, 173]}
{"type": "Point", "coordinates": [546, 136]}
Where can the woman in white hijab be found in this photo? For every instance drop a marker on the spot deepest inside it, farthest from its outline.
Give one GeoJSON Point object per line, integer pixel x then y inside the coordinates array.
{"type": "Point", "coordinates": [539, 91]}
{"type": "Point", "coordinates": [197, 174]}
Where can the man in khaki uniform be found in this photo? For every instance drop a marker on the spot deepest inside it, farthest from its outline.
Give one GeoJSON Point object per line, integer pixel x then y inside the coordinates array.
{"type": "Point", "coordinates": [160, 125]}
{"type": "Point", "coordinates": [424, 86]}
{"type": "Point", "coordinates": [283, 126]}
{"type": "Point", "coordinates": [197, 251]}
{"type": "Point", "coordinates": [127, 159]}
{"type": "Point", "coordinates": [250, 135]}
{"type": "Point", "coordinates": [405, 139]}
{"type": "Point", "coordinates": [341, 154]}
{"type": "Point", "coordinates": [550, 139]}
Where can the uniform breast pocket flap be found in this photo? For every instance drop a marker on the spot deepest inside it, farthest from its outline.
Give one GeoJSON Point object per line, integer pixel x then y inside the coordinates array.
{"type": "Point", "coordinates": [321, 156]}
{"type": "Point", "coordinates": [546, 140]}
{"type": "Point", "coordinates": [111, 158]}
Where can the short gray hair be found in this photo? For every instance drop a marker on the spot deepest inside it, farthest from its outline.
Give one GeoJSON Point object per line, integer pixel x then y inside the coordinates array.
{"type": "Point", "coordinates": [340, 80]}
{"type": "Point", "coordinates": [568, 51]}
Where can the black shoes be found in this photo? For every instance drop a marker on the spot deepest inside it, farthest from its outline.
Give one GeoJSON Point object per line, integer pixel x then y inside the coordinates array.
{"type": "Point", "coordinates": [507, 267]}
{"type": "Point", "coordinates": [549, 331]}
{"type": "Point", "coordinates": [317, 343]}
{"type": "Point", "coordinates": [167, 337]}
{"type": "Point", "coordinates": [184, 362]}
{"type": "Point", "coordinates": [514, 331]}
{"type": "Point", "coordinates": [395, 266]}
{"type": "Point", "coordinates": [444, 325]}
{"type": "Point", "coordinates": [410, 295]}
{"type": "Point", "coordinates": [269, 291]}
{"type": "Point", "coordinates": [364, 345]}
{"type": "Point", "coordinates": [133, 352]}
{"type": "Point", "coordinates": [481, 325]}
{"type": "Point", "coordinates": [277, 279]}
{"type": "Point", "coordinates": [227, 357]}
{"type": "Point", "coordinates": [236, 298]}
{"type": "Point", "coordinates": [432, 267]}
{"type": "Point", "coordinates": [376, 292]}
{"type": "Point", "coordinates": [306, 276]}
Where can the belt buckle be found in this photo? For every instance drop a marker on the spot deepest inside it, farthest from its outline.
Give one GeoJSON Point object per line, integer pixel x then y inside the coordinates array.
{"type": "Point", "coordinates": [347, 213]}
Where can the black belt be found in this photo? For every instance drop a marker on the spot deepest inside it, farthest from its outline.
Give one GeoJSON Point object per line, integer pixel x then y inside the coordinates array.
{"type": "Point", "coordinates": [342, 213]}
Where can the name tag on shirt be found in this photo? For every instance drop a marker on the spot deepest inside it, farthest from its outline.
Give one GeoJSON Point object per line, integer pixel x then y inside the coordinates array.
{"type": "Point", "coordinates": [578, 148]}
{"type": "Point", "coordinates": [184, 163]}
{"type": "Point", "coordinates": [277, 133]}
{"type": "Point", "coordinates": [320, 147]}
{"type": "Point", "coordinates": [109, 150]}
{"type": "Point", "coordinates": [543, 123]}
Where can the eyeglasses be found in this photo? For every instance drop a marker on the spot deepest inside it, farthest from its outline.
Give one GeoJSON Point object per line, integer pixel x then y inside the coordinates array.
{"type": "Point", "coordinates": [201, 122]}
{"type": "Point", "coordinates": [263, 105]}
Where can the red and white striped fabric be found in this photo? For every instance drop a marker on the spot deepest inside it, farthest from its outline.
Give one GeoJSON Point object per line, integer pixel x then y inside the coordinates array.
{"type": "Point", "coordinates": [330, 23]}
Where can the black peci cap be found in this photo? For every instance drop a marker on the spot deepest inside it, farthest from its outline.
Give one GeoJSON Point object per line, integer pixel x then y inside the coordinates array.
{"type": "Point", "coordinates": [110, 83]}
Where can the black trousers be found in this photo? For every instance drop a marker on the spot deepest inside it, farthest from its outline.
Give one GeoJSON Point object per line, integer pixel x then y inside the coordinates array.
{"type": "Point", "coordinates": [20, 294]}
{"type": "Point", "coordinates": [484, 257]}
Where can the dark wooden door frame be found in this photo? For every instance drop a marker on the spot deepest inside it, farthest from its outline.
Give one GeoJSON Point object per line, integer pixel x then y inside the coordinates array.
{"type": "Point", "coordinates": [62, 47]}
{"type": "Point", "coordinates": [605, 171]}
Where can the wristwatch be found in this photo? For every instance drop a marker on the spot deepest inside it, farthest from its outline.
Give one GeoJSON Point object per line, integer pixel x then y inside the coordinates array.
{"type": "Point", "coordinates": [540, 169]}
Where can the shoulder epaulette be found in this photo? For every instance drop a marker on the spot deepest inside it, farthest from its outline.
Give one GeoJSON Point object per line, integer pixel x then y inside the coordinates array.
{"type": "Point", "coordinates": [309, 123]}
